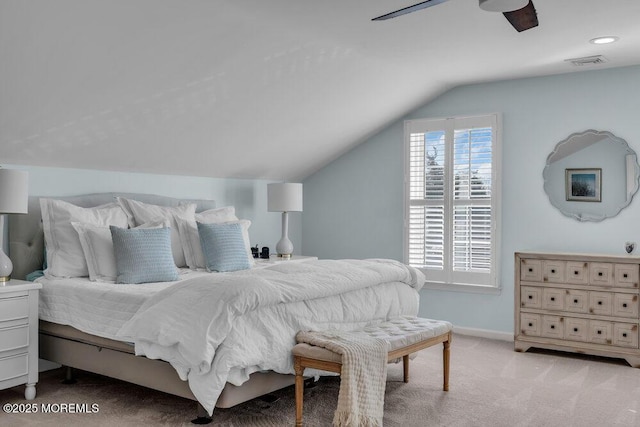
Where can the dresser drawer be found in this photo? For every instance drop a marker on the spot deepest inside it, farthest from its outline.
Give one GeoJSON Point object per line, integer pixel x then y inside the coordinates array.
{"type": "Point", "coordinates": [601, 274]}
{"type": "Point", "coordinates": [530, 324]}
{"type": "Point", "coordinates": [530, 297]}
{"type": "Point", "coordinates": [552, 327]}
{"type": "Point", "coordinates": [14, 337]}
{"type": "Point", "coordinates": [626, 275]}
{"type": "Point", "coordinates": [577, 272]}
{"type": "Point", "coordinates": [576, 301]}
{"type": "Point", "coordinates": [625, 305]}
{"type": "Point", "coordinates": [625, 335]}
{"type": "Point", "coordinates": [14, 366]}
{"type": "Point", "coordinates": [576, 329]}
{"type": "Point", "coordinates": [600, 332]}
{"type": "Point", "coordinates": [14, 308]}
{"type": "Point", "coordinates": [553, 299]}
{"type": "Point", "coordinates": [531, 270]}
{"type": "Point", "coordinates": [600, 303]}
{"type": "Point", "coordinates": [554, 271]}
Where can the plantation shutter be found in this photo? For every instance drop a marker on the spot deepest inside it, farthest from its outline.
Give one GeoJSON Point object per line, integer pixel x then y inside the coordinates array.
{"type": "Point", "coordinates": [450, 222]}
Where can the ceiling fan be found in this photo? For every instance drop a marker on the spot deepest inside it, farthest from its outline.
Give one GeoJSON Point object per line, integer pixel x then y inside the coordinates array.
{"type": "Point", "coordinates": [521, 14]}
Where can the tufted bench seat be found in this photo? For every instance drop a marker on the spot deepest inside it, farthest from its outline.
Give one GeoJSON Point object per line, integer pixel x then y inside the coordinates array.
{"type": "Point", "coordinates": [405, 335]}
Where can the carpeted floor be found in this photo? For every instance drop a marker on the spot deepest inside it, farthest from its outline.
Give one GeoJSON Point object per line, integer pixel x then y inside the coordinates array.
{"type": "Point", "coordinates": [491, 385]}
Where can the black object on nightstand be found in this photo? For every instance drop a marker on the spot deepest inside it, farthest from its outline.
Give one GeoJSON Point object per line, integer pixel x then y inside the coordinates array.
{"type": "Point", "coordinates": [265, 252]}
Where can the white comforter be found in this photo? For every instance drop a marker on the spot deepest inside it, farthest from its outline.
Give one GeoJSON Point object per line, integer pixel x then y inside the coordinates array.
{"type": "Point", "coordinates": [223, 327]}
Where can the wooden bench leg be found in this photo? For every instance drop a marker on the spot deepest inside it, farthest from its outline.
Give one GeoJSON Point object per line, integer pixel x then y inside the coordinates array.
{"type": "Point", "coordinates": [405, 366]}
{"type": "Point", "coordinates": [299, 389]}
{"type": "Point", "coordinates": [446, 353]}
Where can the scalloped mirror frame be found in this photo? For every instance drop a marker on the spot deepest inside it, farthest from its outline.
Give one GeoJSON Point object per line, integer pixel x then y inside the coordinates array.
{"type": "Point", "coordinates": [628, 174]}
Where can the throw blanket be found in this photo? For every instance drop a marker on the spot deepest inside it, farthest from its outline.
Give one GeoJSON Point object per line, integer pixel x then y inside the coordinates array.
{"type": "Point", "coordinates": [363, 378]}
{"type": "Point", "coordinates": [213, 327]}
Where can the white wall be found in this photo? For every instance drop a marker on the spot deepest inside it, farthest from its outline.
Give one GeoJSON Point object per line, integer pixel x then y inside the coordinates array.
{"type": "Point", "coordinates": [248, 196]}
{"type": "Point", "coordinates": [353, 207]}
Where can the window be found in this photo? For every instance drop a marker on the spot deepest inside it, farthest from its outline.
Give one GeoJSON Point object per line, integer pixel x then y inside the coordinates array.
{"type": "Point", "coordinates": [452, 199]}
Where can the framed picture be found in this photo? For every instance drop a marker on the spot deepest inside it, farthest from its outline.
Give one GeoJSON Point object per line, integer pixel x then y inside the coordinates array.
{"type": "Point", "coordinates": [583, 185]}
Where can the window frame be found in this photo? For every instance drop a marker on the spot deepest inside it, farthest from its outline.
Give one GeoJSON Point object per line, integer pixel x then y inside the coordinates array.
{"type": "Point", "coordinates": [446, 280]}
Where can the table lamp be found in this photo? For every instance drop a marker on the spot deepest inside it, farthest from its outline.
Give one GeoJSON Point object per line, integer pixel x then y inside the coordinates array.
{"type": "Point", "coordinates": [285, 198]}
{"type": "Point", "coordinates": [14, 199]}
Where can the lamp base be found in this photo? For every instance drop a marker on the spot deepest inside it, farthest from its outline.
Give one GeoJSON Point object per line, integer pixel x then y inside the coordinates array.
{"type": "Point", "coordinates": [6, 267]}
{"type": "Point", "coordinates": [284, 256]}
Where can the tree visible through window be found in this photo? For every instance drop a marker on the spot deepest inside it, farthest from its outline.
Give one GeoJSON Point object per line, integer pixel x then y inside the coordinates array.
{"type": "Point", "coordinates": [451, 215]}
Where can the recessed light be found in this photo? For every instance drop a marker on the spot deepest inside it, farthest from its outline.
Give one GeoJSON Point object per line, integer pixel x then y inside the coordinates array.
{"type": "Point", "coordinates": [604, 40]}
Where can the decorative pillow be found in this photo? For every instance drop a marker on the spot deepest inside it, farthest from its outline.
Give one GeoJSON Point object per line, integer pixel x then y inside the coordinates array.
{"type": "Point", "coordinates": [143, 255]}
{"type": "Point", "coordinates": [223, 246]}
{"type": "Point", "coordinates": [191, 239]}
{"type": "Point", "coordinates": [64, 252]}
{"type": "Point", "coordinates": [97, 247]}
{"type": "Point", "coordinates": [144, 212]}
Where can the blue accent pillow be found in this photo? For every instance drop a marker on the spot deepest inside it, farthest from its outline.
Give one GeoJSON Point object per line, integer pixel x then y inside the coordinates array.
{"type": "Point", "coordinates": [223, 247]}
{"type": "Point", "coordinates": [143, 255]}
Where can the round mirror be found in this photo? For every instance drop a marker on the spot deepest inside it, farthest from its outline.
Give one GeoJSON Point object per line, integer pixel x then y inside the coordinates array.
{"type": "Point", "coordinates": [591, 175]}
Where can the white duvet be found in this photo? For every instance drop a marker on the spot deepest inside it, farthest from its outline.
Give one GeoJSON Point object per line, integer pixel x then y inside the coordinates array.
{"type": "Point", "coordinates": [220, 328]}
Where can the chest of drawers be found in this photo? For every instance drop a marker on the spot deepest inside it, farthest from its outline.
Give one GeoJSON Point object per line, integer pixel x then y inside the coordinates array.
{"type": "Point", "coordinates": [19, 335]}
{"type": "Point", "coordinates": [578, 303]}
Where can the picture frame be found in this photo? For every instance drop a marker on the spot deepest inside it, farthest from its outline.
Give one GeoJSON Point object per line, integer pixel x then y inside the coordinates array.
{"type": "Point", "coordinates": [583, 184]}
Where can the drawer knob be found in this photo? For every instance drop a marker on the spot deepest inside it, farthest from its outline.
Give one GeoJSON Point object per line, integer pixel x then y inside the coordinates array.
{"type": "Point", "coordinates": [553, 270]}
{"type": "Point", "coordinates": [553, 326]}
{"type": "Point", "coordinates": [530, 296]}
{"type": "Point", "coordinates": [599, 302]}
{"type": "Point", "coordinates": [575, 301]}
{"type": "Point", "coordinates": [530, 269]}
{"type": "Point", "coordinates": [625, 275]}
{"type": "Point", "coordinates": [553, 298]}
{"type": "Point", "coordinates": [600, 273]}
{"type": "Point", "coordinates": [624, 334]}
{"type": "Point", "coordinates": [575, 329]}
{"type": "Point", "coordinates": [599, 332]}
{"type": "Point", "coordinates": [624, 304]}
{"type": "Point", "coordinates": [530, 325]}
{"type": "Point", "coordinates": [576, 272]}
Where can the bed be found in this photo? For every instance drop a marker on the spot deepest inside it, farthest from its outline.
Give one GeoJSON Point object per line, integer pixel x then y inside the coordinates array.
{"type": "Point", "coordinates": [216, 338]}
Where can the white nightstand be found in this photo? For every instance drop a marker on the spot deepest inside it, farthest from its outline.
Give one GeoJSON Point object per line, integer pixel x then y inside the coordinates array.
{"type": "Point", "coordinates": [19, 335]}
{"type": "Point", "coordinates": [274, 259]}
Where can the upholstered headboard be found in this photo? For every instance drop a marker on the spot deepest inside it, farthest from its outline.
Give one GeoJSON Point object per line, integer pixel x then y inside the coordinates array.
{"type": "Point", "coordinates": [26, 237]}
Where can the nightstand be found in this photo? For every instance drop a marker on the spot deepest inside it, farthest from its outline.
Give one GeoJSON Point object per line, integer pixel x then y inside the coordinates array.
{"type": "Point", "coordinates": [274, 259]}
{"type": "Point", "coordinates": [19, 335]}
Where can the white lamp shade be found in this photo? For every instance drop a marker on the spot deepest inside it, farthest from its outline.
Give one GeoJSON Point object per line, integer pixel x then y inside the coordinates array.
{"type": "Point", "coordinates": [284, 197]}
{"type": "Point", "coordinates": [502, 5]}
{"type": "Point", "coordinates": [14, 191]}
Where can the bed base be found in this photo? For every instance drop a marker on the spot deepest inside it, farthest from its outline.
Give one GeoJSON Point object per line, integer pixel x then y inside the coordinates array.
{"type": "Point", "coordinates": [74, 349]}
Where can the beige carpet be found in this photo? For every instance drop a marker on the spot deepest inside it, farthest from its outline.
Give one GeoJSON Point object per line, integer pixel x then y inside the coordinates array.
{"type": "Point", "coordinates": [491, 385]}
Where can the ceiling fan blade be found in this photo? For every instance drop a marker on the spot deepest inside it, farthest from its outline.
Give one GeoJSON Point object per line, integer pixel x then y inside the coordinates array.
{"type": "Point", "coordinates": [409, 9]}
{"type": "Point", "coordinates": [523, 19]}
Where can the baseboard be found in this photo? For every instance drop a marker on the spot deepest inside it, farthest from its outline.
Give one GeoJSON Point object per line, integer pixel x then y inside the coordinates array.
{"type": "Point", "coordinates": [484, 333]}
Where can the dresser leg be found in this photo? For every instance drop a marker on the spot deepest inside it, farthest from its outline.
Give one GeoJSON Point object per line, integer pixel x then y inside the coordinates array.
{"type": "Point", "coordinates": [30, 392]}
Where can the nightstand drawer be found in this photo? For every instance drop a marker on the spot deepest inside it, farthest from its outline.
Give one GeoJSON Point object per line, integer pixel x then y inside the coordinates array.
{"type": "Point", "coordinates": [14, 366]}
{"type": "Point", "coordinates": [15, 337]}
{"type": "Point", "coordinates": [14, 308]}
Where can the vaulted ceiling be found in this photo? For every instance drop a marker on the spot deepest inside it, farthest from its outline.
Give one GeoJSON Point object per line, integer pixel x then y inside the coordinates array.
{"type": "Point", "coordinates": [259, 89]}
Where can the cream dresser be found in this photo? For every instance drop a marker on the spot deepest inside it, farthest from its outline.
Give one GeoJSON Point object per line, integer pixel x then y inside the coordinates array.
{"type": "Point", "coordinates": [578, 303]}
{"type": "Point", "coordinates": [19, 335]}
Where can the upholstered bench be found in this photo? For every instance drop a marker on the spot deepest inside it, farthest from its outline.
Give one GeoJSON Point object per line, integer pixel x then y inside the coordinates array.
{"type": "Point", "coordinates": [404, 335]}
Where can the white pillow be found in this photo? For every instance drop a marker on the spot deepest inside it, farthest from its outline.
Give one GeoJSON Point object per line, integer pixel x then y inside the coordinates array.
{"type": "Point", "coordinates": [97, 247]}
{"type": "Point", "coordinates": [64, 252]}
{"type": "Point", "coordinates": [143, 213]}
{"type": "Point", "coordinates": [189, 233]}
